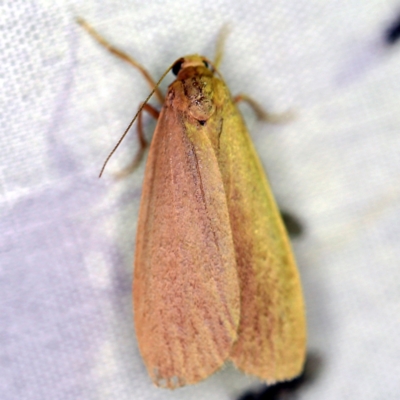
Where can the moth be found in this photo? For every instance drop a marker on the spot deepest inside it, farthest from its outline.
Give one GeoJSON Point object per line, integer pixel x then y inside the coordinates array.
{"type": "Point", "coordinates": [214, 275]}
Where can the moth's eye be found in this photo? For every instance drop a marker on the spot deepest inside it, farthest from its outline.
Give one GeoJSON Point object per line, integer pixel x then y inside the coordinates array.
{"type": "Point", "coordinates": [177, 67]}
{"type": "Point", "coordinates": [206, 64]}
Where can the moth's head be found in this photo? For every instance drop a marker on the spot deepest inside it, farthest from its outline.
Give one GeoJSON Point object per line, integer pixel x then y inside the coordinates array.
{"type": "Point", "coordinates": [192, 62]}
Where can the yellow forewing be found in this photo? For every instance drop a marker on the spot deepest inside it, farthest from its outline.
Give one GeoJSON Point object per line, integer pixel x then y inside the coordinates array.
{"type": "Point", "coordinates": [272, 332]}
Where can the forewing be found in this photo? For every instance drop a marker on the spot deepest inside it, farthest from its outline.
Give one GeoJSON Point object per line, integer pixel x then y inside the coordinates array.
{"type": "Point", "coordinates": [272, 331]}
{"type": "Point", "coordinates": [186, 291]}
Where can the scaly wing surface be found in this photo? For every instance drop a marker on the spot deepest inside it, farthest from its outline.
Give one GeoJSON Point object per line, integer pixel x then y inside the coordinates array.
{"type": "Point", "coordinates": [272, 332]}
{"type": "Point", "coordinates": [186, 291]}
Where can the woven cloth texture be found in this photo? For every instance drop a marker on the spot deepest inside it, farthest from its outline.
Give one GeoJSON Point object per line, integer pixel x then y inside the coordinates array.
{"type": "Point", "coordinates": [67, 238]}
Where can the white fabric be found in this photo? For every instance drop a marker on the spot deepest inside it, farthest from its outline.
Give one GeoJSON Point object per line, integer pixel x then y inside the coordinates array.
{"type": "Point", "coordinates": [67, 238]}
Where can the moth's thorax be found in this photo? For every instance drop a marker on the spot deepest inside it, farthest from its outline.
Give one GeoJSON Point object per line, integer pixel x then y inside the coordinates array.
{"type": "Point", "coordinates": [193, 92]}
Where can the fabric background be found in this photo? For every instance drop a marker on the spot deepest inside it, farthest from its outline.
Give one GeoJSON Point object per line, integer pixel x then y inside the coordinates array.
{"type": "Point", "coordinates": [67, 238]}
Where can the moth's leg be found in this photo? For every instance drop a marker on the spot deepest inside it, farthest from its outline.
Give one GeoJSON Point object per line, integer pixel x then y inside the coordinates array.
{"type": "Point", "coordinates": [286, 116]}
{"type": "Point", "coordinates": [141, 139]}
{"type": "Point", "coordinates": [122, 55]}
